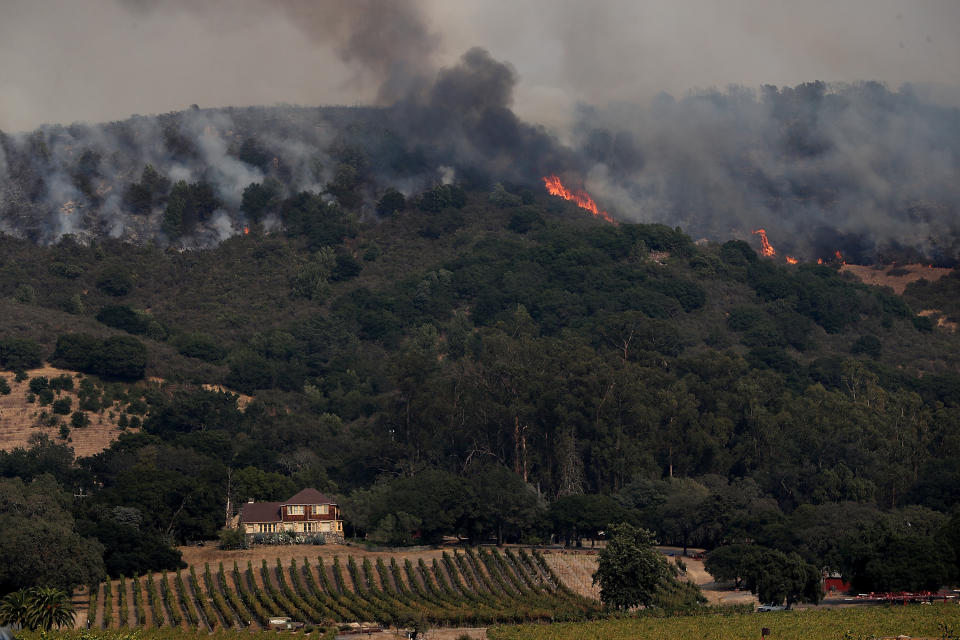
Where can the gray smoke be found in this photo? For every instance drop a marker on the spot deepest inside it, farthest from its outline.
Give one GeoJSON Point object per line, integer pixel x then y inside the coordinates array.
{"type": "Point", "coordinates": [859, 167]}
{"type": "Point", "coordinates": [821, 167]}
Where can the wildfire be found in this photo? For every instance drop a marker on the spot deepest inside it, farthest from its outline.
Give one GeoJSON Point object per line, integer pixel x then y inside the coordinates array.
{"type": "Point", "coordinates": [792, 260]}
{"type": "Point", "coordinates": [246, 231]}
{"type": "Point", "coordinates": [580, 197]}
{"type": "Point", "coordinates": [819, 260]}
{"type": "Point", "coordinates": [765, 247]}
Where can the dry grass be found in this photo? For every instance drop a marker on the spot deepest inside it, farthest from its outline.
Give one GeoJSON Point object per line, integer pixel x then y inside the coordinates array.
{"type": "Point", "coordinates": [197, 556]}
{"type": "Point", "coordinates": [19, 418]}
{"type": "Point", "coordinates": [881, 278]}
{"type": "Point", "coordinates": [576, 568]}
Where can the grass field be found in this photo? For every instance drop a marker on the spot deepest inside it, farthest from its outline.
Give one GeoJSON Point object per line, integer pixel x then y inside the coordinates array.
{"type": "Point", "coordinates": [860, 623]}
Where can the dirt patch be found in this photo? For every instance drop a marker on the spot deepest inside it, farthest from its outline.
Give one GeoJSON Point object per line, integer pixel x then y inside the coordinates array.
{"type": "Point", "coordinates": [20, 419]}
{"type": "Point", "coordinates": [243, 400]}
{"type": "Point", "coordinates": [940, 318]}
{"type": "Point", "coordinates": [903, 275]}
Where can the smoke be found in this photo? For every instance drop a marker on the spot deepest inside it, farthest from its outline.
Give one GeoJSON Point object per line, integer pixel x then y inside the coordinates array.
{"type": "Point", "coordinates": [389, 42]}
{"type": "Point", "coordinates": [229, 174]}
{"type": "Point", "coordinates": [822, 167]}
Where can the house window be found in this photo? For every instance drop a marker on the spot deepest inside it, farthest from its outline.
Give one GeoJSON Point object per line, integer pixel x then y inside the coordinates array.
{"type": "Point", "coordinates": [270, 527]}
{"type": "Point", "coordinates": [295, 510]}
{"type": "Point", "coordinates": [321, 509]}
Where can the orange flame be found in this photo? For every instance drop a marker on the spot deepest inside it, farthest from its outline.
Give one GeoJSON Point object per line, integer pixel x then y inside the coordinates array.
{"type": "Point", "coordinates": [246, 231]}
{"type": "Point", "coordinates": [792, 260]}
{"type": "Point", "coordinates": [765, 247]}
{"type": "Point", "coordinates": [839, 254]}
{"type": "Point", "coordinates": [819, 260]}
{"type": "Point", "coordinates": [580, 197]}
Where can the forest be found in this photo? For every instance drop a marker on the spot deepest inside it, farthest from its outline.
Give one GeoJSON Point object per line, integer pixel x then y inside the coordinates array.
{"type": "Point", "coordinates": [495, 365]}
{"type": "Point", "coordinates": [463, 355]}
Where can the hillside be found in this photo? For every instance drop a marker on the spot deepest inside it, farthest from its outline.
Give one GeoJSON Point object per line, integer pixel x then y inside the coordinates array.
{"type": "Point", "coordinates": [472, 344]}
{"type": "Point", "coordinates": [22, 415]}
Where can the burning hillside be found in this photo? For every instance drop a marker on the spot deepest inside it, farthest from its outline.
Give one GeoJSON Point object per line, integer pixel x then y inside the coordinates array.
{"type": "Point", "coordinates": [580, 197]}
{"type": "Point", "coordinates": [790, 161]}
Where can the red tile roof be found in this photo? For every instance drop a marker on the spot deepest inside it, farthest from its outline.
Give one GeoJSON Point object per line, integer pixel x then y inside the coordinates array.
{"type": "Point", "coordinates": [309, 496]}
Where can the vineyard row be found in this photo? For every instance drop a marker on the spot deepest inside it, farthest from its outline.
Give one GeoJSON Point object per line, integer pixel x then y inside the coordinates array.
{"type": "Point", "coordinates": [474, 588]}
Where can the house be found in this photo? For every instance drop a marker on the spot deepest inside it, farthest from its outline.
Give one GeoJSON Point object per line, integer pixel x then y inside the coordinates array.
{"type": "Point", "coordinates": [305, 515]}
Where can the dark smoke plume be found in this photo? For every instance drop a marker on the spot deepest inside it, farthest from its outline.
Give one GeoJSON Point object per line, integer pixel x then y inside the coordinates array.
{"type": "Point", "coordinates": [387, 40]}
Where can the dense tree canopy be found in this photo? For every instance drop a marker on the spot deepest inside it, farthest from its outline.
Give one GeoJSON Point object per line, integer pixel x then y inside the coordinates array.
{"type": "Point", "coordinates": [506, 373]}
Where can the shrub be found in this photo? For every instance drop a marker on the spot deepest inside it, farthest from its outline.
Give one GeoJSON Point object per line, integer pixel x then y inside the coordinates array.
{"type": "Point", "coordinates": [62, 406]}
{"type": "Point", "coordinates": [62, 383]}
{"type": "Point", "coordinates": [123, 317]}
{"type": "Point", "coordinates": [115, 281]}
{"type": "Point", "coordinates": [232, 539]}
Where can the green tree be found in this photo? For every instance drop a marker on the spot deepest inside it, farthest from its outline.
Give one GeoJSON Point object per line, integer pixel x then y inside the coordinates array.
{"type": "Point", "coordinates": [777, 577]}
{"type": "Point", "coordinates": [260, 199]}
{"type": "Point", "coordinates": [630, 569]}
{"type": "Point", "coordinates": [49, 607]}
{"type": "Point", "coordinates": [115, 280]}
{"type": "Point", "coordinates": [731, 562]}
{"type": "Point", "coordinates": [15, 608]}
{"type": "Point", "coordinates": [391, 202]}
{"type": "Point", "coordinates": [122, 357]}
{"type": "Point", "coordinates": [19, 354]}
{"type": "Point", "coordinates": [37, 608]}
{"type": "Point", "coordinates": [40, 544]}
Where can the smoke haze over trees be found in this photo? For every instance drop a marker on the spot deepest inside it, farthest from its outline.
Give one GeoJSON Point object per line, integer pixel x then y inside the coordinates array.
{"type": "Point", "coordinates": [858, 168]}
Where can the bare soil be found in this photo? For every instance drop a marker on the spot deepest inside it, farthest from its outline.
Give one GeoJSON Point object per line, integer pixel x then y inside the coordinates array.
{"type": "Point", "coordinates": [879, 275]}
{"type": "Point", "coordinates": [19, 419]}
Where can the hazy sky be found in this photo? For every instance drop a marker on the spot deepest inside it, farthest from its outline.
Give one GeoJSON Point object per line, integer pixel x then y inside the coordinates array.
{"type": "Point", "coordinates": [94, 60]}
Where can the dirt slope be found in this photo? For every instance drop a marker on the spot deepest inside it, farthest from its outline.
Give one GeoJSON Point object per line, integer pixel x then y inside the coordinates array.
{"type": "Point", "coordinates": [19, 419]}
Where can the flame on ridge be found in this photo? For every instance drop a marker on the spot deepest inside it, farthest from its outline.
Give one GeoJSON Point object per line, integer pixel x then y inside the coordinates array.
{"type": "Point", "coordinates": [580, 197]}
{"type": "Point", "coordinates": [765, 247]}
{"type": "Point", "coordinates": [792, 260]}
{"type": "Point", "coordinates": [246, 231]}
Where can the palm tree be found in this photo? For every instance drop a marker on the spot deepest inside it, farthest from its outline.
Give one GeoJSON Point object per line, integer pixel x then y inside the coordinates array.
{"type": "Point", "coordinates": [37, 607]}
{"type": "Point", "coordinates": [49, 607]}
{"type": "Point", "coordinates": [14, 608]}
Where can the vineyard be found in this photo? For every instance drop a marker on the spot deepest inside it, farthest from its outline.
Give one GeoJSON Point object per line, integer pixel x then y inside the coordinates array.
{"type": "Point", "coordinates": [472, 588]}
{"type": "Point", "coordinates": [941, 621]}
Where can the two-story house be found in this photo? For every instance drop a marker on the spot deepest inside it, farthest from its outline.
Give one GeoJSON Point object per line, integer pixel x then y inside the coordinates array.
{"type": "Point", "coordinates": [307, 513]}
